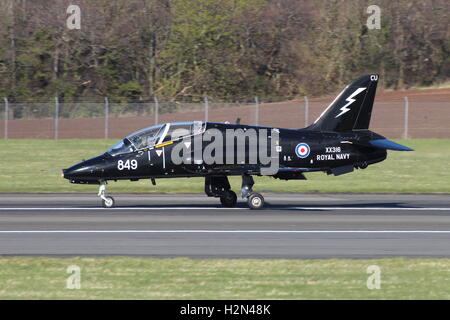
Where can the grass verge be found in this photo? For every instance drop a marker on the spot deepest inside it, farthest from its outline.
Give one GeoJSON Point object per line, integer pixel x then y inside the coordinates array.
{"type": "Point", "coordinates": [182, 278]}
{"type": "Point", "coordinates": [33, 166]}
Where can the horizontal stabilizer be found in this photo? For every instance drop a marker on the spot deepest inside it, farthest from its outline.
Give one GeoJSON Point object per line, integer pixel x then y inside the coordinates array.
{"type": "Point", "coordinates": [389, 145]}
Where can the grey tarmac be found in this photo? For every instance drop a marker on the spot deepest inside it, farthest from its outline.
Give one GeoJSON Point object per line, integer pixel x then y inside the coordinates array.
{"type": "Point", "coordinates": [293, 226]}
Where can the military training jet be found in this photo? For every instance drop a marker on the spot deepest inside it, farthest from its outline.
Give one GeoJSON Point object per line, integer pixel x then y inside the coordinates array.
{"type": "Point", "coordinates": [336, 143]}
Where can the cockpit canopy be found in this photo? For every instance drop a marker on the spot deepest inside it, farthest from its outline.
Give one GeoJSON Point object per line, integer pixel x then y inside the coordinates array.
{"type": "Point", "coordinates": [154, 135]}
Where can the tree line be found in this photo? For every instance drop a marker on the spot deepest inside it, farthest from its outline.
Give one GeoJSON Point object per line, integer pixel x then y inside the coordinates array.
{"type": "Point", "coordinates": [230, 50]}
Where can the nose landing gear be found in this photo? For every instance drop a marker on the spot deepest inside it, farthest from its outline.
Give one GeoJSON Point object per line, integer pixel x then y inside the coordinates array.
{"type": "Point", "coordinates": [107, 201]}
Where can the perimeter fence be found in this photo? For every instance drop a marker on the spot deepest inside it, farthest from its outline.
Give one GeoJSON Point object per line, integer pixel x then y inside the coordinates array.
{"type": "Point", "coordinates": [55, 120]}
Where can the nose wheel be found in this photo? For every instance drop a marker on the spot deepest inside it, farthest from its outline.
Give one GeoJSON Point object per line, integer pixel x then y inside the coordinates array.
{"type": "Point", "coordinates": [107, 201]}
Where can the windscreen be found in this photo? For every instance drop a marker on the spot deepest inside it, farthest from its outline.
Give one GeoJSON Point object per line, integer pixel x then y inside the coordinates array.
{"type": "Point", "coordinates": [123, 146]}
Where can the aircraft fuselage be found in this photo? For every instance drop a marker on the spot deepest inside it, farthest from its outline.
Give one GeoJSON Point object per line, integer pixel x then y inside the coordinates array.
{"type": "Point", "coordinates": [321, 152]}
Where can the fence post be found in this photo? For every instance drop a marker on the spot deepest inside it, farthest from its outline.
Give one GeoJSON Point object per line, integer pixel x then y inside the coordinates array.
{"type": "Point", "coordinates": [256, 111]}
{"type": "Point", "coordinates": [106, 118]}
{"type": "Point", "coordinates": [5, 136]}
{"type": "Point", "coordinates": [406, 120]}
{"type": "Point", "coordinates": [56, 118]}
{"type": "Point", "coordinates": [206, 109]}
{"type": "Point", "coordinates": [156, 110]}
{"type": "Point", "coordinates": [306, 111]}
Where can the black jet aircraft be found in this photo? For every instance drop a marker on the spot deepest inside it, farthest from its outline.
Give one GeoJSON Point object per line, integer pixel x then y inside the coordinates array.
{"type": "Point", "coordinates": [336, 143]}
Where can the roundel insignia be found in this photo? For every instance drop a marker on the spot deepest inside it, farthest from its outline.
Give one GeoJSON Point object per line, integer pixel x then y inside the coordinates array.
{"type": "Point", "coordinates": [302, 150]}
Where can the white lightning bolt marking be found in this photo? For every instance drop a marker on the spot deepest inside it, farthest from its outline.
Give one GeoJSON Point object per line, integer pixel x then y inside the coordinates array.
{"type": "Point", "coordinates": [350, 100]}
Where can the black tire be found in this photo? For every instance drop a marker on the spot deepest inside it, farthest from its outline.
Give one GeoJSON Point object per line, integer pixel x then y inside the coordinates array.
{"type": "Point", "coordinates": [109, 203]}
{"type": "Point", "coordinates": [229, 199]}
{"type": "Point", "coordinates": [255, 201]}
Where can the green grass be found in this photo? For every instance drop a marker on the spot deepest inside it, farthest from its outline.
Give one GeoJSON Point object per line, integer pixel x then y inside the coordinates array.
{"type": "Point", "coordinates": [181, 278]}
{"type": "Point", "coordinates": [34, 166]}
{"type": "Point", "coordinates": [443, 85]}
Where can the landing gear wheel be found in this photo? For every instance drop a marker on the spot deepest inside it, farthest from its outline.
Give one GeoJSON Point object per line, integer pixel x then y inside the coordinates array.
{"type": "Point", "coordinates": [255, 201]}
{"type": "Point", "coordinates": [228, 199]}
{"type": "Point", "coordinates": [108, 202]}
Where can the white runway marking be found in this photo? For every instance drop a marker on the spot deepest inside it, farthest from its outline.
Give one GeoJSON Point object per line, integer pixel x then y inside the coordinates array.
{"type": "Point", "coordinates": [232, 231]}
{"type": "Point", "coordinates": [369, 208]}
{"type": "Point", "coordinates": [221, 208]}
{"type": "Point", "coordinates": [116, 209]}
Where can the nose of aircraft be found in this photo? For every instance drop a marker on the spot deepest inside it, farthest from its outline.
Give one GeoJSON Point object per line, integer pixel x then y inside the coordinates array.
{"type": "Point", "coordinates": [85, 171]}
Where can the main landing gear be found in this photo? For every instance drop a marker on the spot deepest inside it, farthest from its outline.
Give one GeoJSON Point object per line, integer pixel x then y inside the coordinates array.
{"type": "Point", "coordinates": [255, 201]}
{"type": "Point", "coordinates": [107, 201]}
{"type": "Point", "coordinates": [219, 187]}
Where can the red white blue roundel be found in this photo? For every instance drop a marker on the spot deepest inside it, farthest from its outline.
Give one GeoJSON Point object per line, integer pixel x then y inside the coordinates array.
{"type": "Point", "coordinates": [302, 150]}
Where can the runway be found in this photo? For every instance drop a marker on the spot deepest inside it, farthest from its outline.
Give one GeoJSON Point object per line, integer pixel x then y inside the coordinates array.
{"type": "Point", "coordinates": [291, 226]}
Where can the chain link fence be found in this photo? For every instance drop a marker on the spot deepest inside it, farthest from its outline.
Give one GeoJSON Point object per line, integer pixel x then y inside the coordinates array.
{"type": "Point", "coordinates": [54, 120]}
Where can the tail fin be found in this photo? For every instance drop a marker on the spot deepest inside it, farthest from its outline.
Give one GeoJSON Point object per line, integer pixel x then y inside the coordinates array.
{"type": "Point", "coordinates": [352, 108]}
